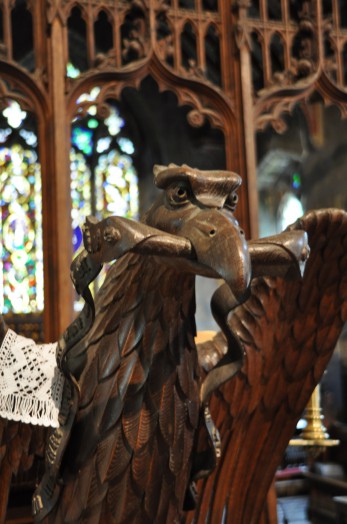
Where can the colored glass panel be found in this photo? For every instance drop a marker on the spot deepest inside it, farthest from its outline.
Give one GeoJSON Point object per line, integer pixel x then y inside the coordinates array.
{"type": "Point", "coordinates": [116, 185]}
{"type": "Point", "coordinates": [14, 114]}
{"type": "Point", "coordinates": [21, 264]}
{"type": "Point", "coordinates": [80, 194]}
{"type": "Point", "coordinates": [83, 139]}
{"type": "Point", "coordinates": [72, 71]}
{"type": "Point", "coordinates": [103, 177]}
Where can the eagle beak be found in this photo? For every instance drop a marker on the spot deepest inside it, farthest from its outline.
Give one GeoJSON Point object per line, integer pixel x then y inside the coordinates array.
{"type": "Point", "coordinates": [221, 250]}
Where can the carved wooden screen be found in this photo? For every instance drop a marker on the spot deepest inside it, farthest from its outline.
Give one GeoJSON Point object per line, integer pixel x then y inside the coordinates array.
{"type": "Point", "coordinates": [296, 48]}
{"type": "Point", "coordinates": [289, 52]}
{"type": "Point", "coordinates": [53, 51]}
{"type": "Point", "coordinates": [237, 69]}
{"type": "Point", "coordinates": [237, 66]}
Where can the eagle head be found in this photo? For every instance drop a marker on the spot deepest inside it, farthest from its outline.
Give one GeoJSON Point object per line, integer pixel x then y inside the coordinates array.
{"type": "Point", "coordinates": [199, 205]}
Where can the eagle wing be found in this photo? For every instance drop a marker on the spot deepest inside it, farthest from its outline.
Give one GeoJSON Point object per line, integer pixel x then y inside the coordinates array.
{"type": "Point", "coordinates": [289, 330]}
{"type": "Point", "coordinates": [132, 434]}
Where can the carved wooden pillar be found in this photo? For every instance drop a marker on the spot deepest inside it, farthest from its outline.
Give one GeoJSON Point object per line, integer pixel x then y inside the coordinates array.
{"type": "Point", "coordinates": [59, 292]}
{"type": "Point", "coordinates": [246, 129]}
{"type": "Point", "coordinates": [7, 28]}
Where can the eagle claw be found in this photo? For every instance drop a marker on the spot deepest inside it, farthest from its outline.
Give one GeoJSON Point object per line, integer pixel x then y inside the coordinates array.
{"type": "Point", "coordinates": [92, 235]}
{"type": "Point", "coordinates": [111, 234]}
{"type": "Point", "coordinates": [95, 233]}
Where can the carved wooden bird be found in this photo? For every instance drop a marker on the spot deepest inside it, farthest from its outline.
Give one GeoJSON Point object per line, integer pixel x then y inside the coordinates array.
{"type": "Point", "coordinates": [135, 426]}
{"type": "Point", "coordinates": [289, 331]}
{"type": "Point", "coordinates": [142, 430]}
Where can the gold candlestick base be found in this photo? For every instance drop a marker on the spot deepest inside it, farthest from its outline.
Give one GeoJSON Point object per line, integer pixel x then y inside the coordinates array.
{"type": "Point", "coordinates": [315, 436]}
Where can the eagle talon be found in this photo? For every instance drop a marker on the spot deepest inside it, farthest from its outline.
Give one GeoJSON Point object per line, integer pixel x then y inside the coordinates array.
{"type": "Point", "coordinates": [92, 239]}
{"type": "Point", "coordinates": [111, 235]}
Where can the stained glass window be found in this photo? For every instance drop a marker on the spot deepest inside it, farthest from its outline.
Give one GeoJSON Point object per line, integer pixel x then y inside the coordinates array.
{"type": "Point", "coordinates": [83, 140]}
{"type": "Point", "coordinates": [103, 177]}
{"type": "Point", "coordinates": [21, 263]}
{"type": "Point", "coordinates": [81, 194]}
{"type": "Point", "coordinates": [72, 71]}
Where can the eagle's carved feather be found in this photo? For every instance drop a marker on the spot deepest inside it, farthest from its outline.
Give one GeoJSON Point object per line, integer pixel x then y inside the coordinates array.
{"type": "Point", "coordinates": [289, 330]}
{"type": "Point", "coordinates": [142, 402]}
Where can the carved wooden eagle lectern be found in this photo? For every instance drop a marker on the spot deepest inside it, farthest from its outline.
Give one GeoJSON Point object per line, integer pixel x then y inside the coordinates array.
{"type": "Point", "coordinates": [135, 427]}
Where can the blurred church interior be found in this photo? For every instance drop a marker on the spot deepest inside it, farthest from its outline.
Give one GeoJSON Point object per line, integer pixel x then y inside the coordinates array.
{"type": "Point", "coordinates": [93, 93]}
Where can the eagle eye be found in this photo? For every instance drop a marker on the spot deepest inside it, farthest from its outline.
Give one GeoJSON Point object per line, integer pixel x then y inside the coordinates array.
{"type": "Point", "coordinates": [178, 194]}
{"type": "Point", "coordinates": [231, 201]}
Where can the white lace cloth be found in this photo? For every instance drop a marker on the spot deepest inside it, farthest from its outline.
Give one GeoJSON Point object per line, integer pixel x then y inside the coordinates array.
{"type": "Point", "coordinates": [31, 385]}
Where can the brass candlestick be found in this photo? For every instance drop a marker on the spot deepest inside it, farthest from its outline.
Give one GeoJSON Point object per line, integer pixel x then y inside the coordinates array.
{"type": "Point", "coordinates": [315, 435]}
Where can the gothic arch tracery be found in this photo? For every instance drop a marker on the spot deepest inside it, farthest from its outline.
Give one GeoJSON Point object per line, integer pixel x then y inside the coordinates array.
{"type": "Point", "coordinates": [314, 40]}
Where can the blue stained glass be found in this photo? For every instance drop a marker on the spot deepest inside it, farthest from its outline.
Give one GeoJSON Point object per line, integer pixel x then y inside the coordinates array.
{"type": "Point", "coordinates": [83, 140]}
{"type": "Point", "coordinates": [4, 133]}
{"type": "Point", "coordinates": [80, 194]}
{"type": "Point", "coordinates": [77, 238]}
{"type": "Point", "coordinates": [29, 137]}
{"type": "Point", "coordinates": [296, 181]}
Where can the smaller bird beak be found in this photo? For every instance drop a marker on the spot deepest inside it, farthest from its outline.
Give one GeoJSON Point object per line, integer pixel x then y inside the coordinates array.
{"type": "Point", "coordinates": [220, 248]}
